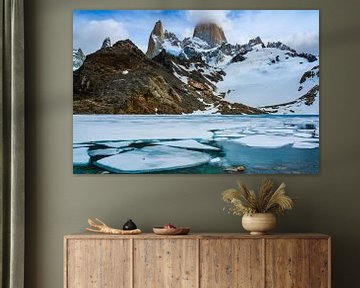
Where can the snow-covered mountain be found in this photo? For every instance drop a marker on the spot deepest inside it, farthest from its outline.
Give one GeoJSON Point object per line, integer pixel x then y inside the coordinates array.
{"type": "Point", "coordinates": [202, 74]}
{"type": "Point", "coordinates": [268, 77]}
{"type": "Point", "coordinates": [78, 58]}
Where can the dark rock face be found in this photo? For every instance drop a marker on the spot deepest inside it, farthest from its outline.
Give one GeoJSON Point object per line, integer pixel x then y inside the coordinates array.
{"type": "Point", "coordinates": [256, 41]}
{"type": "Point", "coordinates": [238, 58]}
{"type": "Point", "coordinates": [309, 57]}
{"type": "Point", "coordinates": [310, 96]}
{"type": "Point", "coordinates": [310, 74]}
{"type": "Point", "coordinates": [210, 33]}
{"type": "Point", "coordinates": [280, 45]}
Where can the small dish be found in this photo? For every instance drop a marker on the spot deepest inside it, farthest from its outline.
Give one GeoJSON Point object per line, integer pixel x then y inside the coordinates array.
{"type": "Point", "coordinates": [171, 231]}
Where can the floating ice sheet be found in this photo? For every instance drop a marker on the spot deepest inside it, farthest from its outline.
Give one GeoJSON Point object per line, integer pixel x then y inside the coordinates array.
{"type": "Point", "coordinates": [276, 141]}
{"type": "Point", "coordinates": [115, 144]}
{"type": "Point", "coordinates": [103, 152]}
{"type": "Point", "coordinates": [190, 144]}
{"type": "Point", "coordinates": [152, 159]}
{"type": "Point", "coordinates": [80, 145]}
{"type": "Point", "coordinates": [305, 145]}
{"type": "Point", "coordinates": [266, 141]}
{"type": "Point", "coordinates": [80, 156]}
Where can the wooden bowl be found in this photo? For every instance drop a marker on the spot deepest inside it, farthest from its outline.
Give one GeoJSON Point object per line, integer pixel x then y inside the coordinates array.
{"type": "Point", "coordinates": [171, 231]}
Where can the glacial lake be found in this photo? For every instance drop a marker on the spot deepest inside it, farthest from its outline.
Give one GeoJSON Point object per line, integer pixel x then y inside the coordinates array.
{"type": "Point", "coordinates": [201, 144]}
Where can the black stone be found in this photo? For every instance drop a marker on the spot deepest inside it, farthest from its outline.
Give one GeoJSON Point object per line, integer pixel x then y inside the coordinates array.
{"type": "Point", "coordinates": [129, 225]}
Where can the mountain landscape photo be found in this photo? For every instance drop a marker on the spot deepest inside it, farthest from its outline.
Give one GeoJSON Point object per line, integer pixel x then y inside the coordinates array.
{"type": "Point", "coordinates": [196, 91]}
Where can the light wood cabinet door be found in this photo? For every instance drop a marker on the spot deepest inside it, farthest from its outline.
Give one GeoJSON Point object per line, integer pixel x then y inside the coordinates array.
{"type": "Point", "coordinates": [320, 263]}
{"type": "Point", "coordinates": [168, 263]}
{"type": "Point", "coordinates": [98, 263]}
{"type": "Point", "coordinates": [297, 263]}
{"type": "Point", "coordinates": [287, 263]}
{"type": "Point", "coordinates": [231, 263]}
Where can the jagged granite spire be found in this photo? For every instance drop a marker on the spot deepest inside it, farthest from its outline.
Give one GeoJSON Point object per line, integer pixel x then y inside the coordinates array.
{"type": "Point", "coordinates": [211, 33]}
{"type": "Point", "coordinates": [155, 40]}
{"type": "Point", "coordinates": [106, 43]}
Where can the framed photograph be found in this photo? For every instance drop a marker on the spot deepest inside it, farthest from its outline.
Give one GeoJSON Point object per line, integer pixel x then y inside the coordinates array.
{"type": "Point", "coordinates": [195, 91]}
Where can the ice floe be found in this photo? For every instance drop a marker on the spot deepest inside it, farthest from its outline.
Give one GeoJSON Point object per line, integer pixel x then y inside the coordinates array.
{"type": "Point", "coordinates": [115, 144]}
{"type": "Point", "coordinates": [80, 156]}
{"type": "Point", "coordinates": [81, 145]}
{"type": "Point", "coordinates": [189, 144]}
{"type": "Point", "coordinates": [305, 145]}
{"type": "Point", "coordinates": [266, 141]}
{"type": "Point", "coordinates": [304, 135]}
{"type": "Point", "coordinates": [103, 152]}
{"type": "Point", "coordinates": [153, 159]}
{"type": "Point", "coordinates": [276, 141]}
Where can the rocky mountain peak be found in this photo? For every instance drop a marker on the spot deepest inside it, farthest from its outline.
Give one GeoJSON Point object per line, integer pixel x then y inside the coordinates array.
{"type": "Point", "coordinates": [158, 29]}
{"type": "Point", "coordinates": [280, 45]}
{"type": "Point", "coordinates": [106, 43]}
{"type": "Point", "coordinates": [127, 46]}
{"type": "Point", "coordinates": [78, 58]}
{"type": "Point", "coordinates": [256, 41]}
{"type": "Point", "coordinates": [210, 33]}
{"type": "Point", "coordinates": [156, 38]}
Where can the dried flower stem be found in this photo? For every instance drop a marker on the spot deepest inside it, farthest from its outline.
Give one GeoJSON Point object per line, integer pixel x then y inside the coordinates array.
{"type": "Point", "coordinates": [245, 201]}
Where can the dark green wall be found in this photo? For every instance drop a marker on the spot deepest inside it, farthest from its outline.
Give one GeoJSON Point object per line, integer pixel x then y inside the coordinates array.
{"type": "Point", "coordinates": [59, 202]}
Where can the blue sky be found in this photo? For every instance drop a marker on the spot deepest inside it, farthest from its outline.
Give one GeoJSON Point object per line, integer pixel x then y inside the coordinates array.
{"type": "Point", "coordinates": [297, 28]}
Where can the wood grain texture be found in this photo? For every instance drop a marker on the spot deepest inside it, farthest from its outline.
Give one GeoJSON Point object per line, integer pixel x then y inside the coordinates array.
{"type": "Point", "coordinates": [231, 263]}
{"type": "Point", "coordinates": [319, 263]}
{"type": "Point", "coordinates": [98, 264]}
{"type": "Point", "coordinates": [287, 263]}
{"type": "Point", "coordinates": [165, 263]}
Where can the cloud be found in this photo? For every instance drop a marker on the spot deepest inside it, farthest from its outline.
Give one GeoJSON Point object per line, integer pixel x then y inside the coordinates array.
{"type": "Point", "coordinates": [198, 16]}
{"type": "Point", "coordinates": [89, 34]}
{"type": "Point", "coordinates": [304, 42]}
{"type": "Point", "coordinates": [296, 28]}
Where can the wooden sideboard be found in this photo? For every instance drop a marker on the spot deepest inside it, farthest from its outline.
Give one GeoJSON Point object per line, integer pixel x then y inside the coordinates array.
{"type": "Point", "coordinates": [197, 260]}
